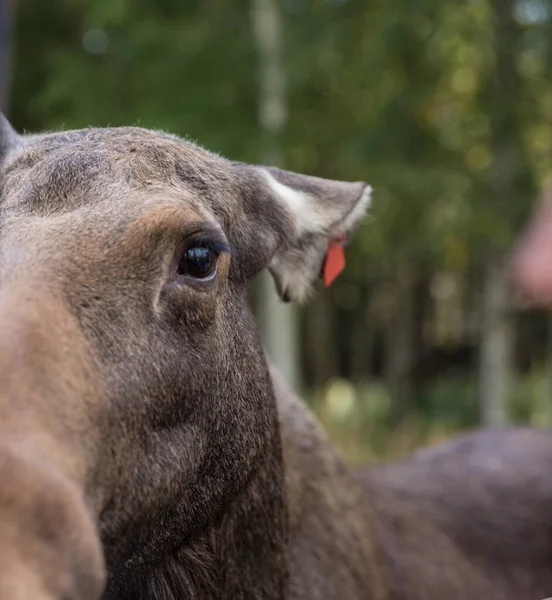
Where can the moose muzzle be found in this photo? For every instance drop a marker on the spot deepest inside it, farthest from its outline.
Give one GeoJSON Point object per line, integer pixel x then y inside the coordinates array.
{"type": "Point", "coordinates": [49, 547]}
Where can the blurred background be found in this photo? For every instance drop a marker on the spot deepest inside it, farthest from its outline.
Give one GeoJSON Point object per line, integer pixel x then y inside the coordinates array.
{"type": "Point", "coordinates": [444, 106]}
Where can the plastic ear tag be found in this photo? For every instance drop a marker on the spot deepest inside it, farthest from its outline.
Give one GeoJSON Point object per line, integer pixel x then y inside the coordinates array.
{"type": "Point", "coordinates": [335, 261]}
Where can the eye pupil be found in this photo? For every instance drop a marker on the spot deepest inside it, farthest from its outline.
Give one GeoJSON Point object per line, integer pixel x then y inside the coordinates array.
{"type": "Point", "coordinates": [198, 262]}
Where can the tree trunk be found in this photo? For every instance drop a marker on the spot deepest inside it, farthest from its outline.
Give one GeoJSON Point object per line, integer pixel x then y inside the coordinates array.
{"type": "Point", "coordinates": [278, 322]}
{"type": "Point", "coordinates": [422, 307]}
{"type": "Point", "coordinates": [321, 348]}
{"type": "Point", "coordinates": [510, 180]}
{"type": "Point", "coordinates": [548, 372]}
{"type": "Point", "coordinates": [5, 52]}
{"type": "Point", "coordinates": [362, 347]}
{"type": "Point", "coordinates": [496, 343]}
{"type": "Point", "coordinates": [399, 346]}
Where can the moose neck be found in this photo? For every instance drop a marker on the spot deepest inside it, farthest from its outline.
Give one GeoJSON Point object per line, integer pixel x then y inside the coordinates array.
{"type": "Point", "coordinates": [244, 548]}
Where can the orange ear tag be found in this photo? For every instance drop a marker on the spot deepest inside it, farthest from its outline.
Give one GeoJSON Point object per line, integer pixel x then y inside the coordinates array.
{"type": "Point", "coordinates": [335, 261]}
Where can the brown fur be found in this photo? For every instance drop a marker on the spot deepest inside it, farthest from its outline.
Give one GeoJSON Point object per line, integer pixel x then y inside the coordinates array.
{"type": "Point", "coordinates": [146, 449]}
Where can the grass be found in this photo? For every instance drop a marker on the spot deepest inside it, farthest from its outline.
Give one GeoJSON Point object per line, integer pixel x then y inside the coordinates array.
{"type": "Point", "coordinates": [358, 419]}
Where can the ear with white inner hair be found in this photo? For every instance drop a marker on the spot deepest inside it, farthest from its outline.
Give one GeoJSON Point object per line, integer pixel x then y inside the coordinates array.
{"type": "Point", "coordinates": [305, 214]}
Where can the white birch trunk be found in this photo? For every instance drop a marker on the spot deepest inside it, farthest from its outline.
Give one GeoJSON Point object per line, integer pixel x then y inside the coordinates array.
{"type": "Point", "coordinates": [278, 322]}
{"type": "Point", "coordinates": [496, 344]}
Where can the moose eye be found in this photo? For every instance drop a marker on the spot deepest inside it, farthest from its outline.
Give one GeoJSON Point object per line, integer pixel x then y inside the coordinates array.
{"type": "Point", "coordinates": [199, 262]}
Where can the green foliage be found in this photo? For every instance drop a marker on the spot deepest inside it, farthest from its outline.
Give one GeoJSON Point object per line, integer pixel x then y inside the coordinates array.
{"type": "Point", "coordinates": [397, 92]}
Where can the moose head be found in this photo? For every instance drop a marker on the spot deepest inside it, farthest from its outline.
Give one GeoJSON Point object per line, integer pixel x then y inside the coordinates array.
{"type": "Point", "coordinates": [136, 403]}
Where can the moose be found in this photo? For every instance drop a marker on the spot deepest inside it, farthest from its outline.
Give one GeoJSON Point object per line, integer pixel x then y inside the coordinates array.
{"type": "Point", "coordinates": [148, 449]}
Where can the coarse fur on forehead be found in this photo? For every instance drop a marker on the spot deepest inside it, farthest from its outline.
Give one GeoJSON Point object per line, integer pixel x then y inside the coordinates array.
{"type": "Point", "coordinates": [57, 167]}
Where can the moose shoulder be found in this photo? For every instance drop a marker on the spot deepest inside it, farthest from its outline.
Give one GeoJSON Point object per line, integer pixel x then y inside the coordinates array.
{"type": "Point", "coordinates": [147, 450]}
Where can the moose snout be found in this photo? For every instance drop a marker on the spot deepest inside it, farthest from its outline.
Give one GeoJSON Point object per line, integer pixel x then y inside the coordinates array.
{"type": "Point", "coordinates": [49, 548]}
{"type": "Point", "coordinates": [49, 545]}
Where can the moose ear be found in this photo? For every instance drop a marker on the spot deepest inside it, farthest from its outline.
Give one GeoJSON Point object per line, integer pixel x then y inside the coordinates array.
{"type": "Point", "coordinates": [9, 139]}
{"type": "Point", "coordinates": [299, 217]}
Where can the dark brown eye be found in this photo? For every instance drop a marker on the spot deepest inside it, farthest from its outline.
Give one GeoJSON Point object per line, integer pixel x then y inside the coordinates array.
{"type": "Point", "coordinates": [199, 262]}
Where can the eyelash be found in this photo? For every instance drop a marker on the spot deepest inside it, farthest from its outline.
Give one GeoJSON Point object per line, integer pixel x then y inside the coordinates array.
{"type": "Point", "coordinates": [213, 244]}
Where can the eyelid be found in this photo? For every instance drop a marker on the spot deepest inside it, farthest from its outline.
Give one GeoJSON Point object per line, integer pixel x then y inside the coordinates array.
{"type": "Point", "coordinates": [209, 240]}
